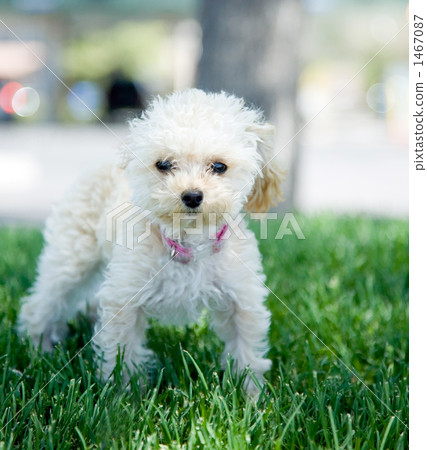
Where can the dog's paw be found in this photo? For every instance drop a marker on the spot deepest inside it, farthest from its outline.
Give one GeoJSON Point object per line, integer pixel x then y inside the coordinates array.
{"type": "Point", "coordinates": [49, 338]}
{"type": "Point", "coordinates": [42, 327]}
{"type": "Point", "coordinates": [46, 344]}
{"type": "Point", "coordinates": [251, 389]}
{"type": "Point", "coordinates": [143, 364]}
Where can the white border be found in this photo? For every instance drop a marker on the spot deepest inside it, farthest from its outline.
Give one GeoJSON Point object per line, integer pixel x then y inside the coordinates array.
{"type": "Point", "coordinates": [417, 246]}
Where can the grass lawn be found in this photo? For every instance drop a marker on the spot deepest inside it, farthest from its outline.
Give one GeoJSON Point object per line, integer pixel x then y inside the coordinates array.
{"type": "Point", "coordinates": [348, 282]}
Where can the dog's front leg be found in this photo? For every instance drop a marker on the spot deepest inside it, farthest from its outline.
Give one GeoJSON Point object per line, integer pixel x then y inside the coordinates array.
{"type": "Point", "coordinates": [122, 325]}
{"type": "Point", "coordinates": [244, 331]}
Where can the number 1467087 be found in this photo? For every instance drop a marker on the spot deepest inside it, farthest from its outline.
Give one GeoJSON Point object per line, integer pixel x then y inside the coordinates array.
{"type": "Point", "coordinates": [418, 41]}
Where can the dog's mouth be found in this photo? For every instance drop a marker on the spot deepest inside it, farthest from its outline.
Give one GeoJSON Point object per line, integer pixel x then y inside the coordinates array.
{"type": "Point", "coordinates": [193, 211]}
{"type": "Point", "coordinates": [182, 209]}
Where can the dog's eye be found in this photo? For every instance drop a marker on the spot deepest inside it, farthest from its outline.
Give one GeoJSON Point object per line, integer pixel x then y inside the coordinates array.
{"type": "Point", "coordinates": [164, 166]}
{"type": "Point", "coordinates": [218, 167]}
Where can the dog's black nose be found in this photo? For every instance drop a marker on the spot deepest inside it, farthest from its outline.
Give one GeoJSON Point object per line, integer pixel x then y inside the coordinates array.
{"type": "Point", "coordinates": [192, 199]}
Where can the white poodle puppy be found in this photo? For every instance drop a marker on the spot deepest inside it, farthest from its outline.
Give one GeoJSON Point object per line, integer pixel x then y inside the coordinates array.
{"type": "Point", "coordinates": [204, 155]}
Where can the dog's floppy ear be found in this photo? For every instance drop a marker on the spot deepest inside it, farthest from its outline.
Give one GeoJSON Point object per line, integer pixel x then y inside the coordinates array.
{"type": "Point", "coordinates": [266, 191]}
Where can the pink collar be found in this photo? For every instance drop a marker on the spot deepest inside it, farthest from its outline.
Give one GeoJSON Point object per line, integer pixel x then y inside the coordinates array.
{"type": "Point", "coordinates": [186, 254]}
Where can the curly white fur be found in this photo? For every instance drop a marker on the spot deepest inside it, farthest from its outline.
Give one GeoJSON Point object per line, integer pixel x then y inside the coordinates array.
{"type": "Point", "coordinates": [123, 287]}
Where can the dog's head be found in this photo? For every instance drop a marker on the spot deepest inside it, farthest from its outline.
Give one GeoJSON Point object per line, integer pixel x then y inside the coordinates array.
{"type": "Point", "coordinates": [198, 152]}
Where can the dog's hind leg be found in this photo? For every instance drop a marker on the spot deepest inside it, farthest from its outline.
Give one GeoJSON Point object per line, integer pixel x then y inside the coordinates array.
{"type": "Point", "coordinates": [71, 252]}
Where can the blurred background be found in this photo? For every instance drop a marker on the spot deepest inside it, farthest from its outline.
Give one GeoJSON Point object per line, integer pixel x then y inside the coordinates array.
{"type": "Point", "coordinates": [343, 130]}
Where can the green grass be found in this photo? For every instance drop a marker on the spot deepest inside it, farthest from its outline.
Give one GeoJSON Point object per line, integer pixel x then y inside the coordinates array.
{"type": "Point", "coordinates": [348, 282]}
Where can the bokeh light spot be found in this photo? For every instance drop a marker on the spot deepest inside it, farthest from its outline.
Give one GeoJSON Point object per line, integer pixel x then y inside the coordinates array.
{"type": "Point", "coordinates": [379, 98]}
{"type": "Point", "coordinates": [26, 102]}
{"type": "Point", "coordinates": [85, 100]}
{"type": "Point", "coordinates": [6, 96]}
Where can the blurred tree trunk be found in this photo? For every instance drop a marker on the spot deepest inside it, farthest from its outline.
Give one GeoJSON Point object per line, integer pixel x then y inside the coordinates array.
{"type": "Point", "coordinates": [250, 49]}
